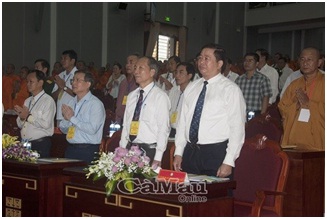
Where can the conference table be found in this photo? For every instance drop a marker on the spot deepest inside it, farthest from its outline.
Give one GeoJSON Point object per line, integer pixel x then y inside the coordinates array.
{"type": "Point", "coordinates": [83, 197]}
{"type": "Point", "coordinates": [34, 189]}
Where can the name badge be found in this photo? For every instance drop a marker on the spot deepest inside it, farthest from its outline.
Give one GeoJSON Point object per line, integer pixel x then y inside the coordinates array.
{"type": "Point", "coordinates": [71, 132]}
{"type": "Point", "coordinates": [134, 128]}
{"type": "Point", "coordinates": [304, 115]}
{"type": "Point", "coordinates": [173, 117]}
{"type": "Point", "coordinates": [124, 101]}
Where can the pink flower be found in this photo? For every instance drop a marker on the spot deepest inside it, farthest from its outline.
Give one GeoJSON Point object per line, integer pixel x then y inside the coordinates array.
{"type": "Point", "coordinates": [146, 159]}
{"type": "Point", "coordinates": [121, 152]}
{"type": "Point", "coordinates": [127, 161]}
{"type": "Point", "coordinates": [116, 159]}
{"type": "Point", "coordinates": [140, 164]}
{"type": "Point", "coordinates": [135, 159]}
{"type": "Point", "coordinates": [114, 169]}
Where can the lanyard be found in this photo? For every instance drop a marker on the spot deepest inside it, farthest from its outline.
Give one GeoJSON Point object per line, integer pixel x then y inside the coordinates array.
{"type": "Point", "coordinates": [147, 95]}
{"type": "Point", "coordinates": [79, 108]}
{"type": "Point", "coordinates": [178, 100]}
{"type": "Point", "coordinates": [30, 109]}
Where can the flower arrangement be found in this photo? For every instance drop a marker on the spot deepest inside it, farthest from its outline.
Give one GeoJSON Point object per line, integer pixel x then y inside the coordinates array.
{"type": "Point", "coordinates": [13, 149]}
{"type": "Point", "coordinates": [120, 165]}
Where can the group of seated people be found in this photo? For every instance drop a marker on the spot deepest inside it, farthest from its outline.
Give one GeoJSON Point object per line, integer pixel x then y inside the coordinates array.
{"type": "Point", "coordinates": [203, 106]}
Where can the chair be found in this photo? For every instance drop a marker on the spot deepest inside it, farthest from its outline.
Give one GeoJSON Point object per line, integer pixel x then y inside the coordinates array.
{"type": "Point", "coordinates": [260, 173]}
{"type": "Point", "coordinates": [264, 124]}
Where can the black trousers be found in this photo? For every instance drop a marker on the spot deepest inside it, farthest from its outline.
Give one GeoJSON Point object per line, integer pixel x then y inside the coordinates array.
{"type": "Point", "coordinates": [204, 159]}
{"type": "Point", "coordinates": [42, 146]}
{"type": "Point", "coordinates": [148, 149]}
{"type": "Point", "coordinates": [85, 152]}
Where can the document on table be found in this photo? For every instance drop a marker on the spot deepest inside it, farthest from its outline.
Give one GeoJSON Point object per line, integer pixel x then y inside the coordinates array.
{"type": "Point", "coordinates": [205, 178]}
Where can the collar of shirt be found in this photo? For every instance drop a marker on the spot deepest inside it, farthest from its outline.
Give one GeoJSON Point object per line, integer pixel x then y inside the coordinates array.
{"type": "Point", "coordinates": [85, 98]}
{"type": "Point", "coordinates": [38, 95]}
{"type": "Point", "coordinates": [147, 89]}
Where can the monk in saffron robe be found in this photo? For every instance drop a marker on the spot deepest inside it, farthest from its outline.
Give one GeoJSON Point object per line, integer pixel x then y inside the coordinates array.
{"type": "Point", "coordinates": [303, 105]}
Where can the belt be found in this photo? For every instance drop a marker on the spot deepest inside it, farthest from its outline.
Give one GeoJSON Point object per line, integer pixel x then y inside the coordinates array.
{"type": "Point", "coordinates": [40, 139]}
{"type": "Point", "coordinates": [199, 146]}
{"type": "Point", "coordinates": [143, 145]}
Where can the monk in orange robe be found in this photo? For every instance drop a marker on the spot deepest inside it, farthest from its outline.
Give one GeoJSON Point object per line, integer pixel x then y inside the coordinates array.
{"type": "Point", "coordinates": [303, 105]}
{"type": "Point", "coordinates": [20, 88]}
{"type": "Point", "coordinates": [7, 86]}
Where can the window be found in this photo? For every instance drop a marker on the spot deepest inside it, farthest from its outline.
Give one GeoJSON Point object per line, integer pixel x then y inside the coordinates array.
{"type": "Point", "coordinates": [165, 47]}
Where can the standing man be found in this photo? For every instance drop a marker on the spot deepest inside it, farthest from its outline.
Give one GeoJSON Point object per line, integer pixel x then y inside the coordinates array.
{"type": "Point", "coordinates": [270, 72]}
{"type": "Point", "coordinates": [125, 87]}
{"type": "Point", "coordinates": [167, 81]}
{"type": "Point", "coordinates": [285, 70]}
{"type": "Point", "coordinates": [146, 119]}
{"type": "Point", "coordinates": [36, 116]}
{"type": "Point", "coordinates": [184, 75]}
{"type": "Point", "coordinates": [62, 91]}
{"type": "Point", "coordinates": [255, 86]}
{"type": "Point", "coordinates": [228, 73]}
{"type": "Point", "coordinates": [44, 66]}
{"type": "Point", "coordinates": [83, 121]}
{"type": "Point", "coordinates": [209, 141]}
{"type": "Point", "coordinates": [303, 105]}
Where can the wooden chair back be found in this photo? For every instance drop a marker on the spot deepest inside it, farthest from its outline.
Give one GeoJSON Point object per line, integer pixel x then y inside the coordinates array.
{"type": "Point", "coordinates": [261, 169]}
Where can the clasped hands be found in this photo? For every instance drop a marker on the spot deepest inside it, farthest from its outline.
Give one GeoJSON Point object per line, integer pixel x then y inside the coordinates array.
{"type": "Point", "coordinates": [67, 112]}
{"type": "Point", "coordinates": [302, 97]}
{"type": "Point", "coordinates": [22, 112]}
{"type": "Point", "coordinates": [60, 82]}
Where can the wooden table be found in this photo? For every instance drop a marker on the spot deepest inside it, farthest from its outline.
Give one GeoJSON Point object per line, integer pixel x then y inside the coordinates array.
{"type": "Point", "coordinates": [305, 185]}
{"type": "Point", "coordinates": [34, 189]}
{"type": "Point", "coordinates": [83, 197]}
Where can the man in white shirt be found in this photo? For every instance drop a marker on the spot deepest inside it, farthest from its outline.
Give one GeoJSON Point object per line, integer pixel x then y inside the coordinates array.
{"type": "Point", "coordinates": [228, 73]}
{"type": "Point", "coordinates": [212, 148]}
{"type": "Point", "coordinates": [270, 72]}
{"type": "Point", "coordinates": [146, 119]}
{"type": "Point", "coordinates": [36, 116]}
{"type": "Point", "coordinates": [286, 71]}
{"type": "Point", "coordinates": [184, 75]}
{"type": "Point", "coordinates": [167, 81]}
{"type": "Point", "coordinates": [62, 91]}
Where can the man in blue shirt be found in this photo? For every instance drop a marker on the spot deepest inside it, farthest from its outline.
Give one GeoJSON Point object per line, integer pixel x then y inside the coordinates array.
{"type": "Point", "coordinates": [84, 118]}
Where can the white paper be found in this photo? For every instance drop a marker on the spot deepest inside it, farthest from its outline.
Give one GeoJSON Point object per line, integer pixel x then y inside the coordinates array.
{"type": "Point", "coordinates": [304, 115]}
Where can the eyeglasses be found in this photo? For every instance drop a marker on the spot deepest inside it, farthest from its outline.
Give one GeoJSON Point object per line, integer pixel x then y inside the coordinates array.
{"type": "Point", "coordinates": [78, 80]}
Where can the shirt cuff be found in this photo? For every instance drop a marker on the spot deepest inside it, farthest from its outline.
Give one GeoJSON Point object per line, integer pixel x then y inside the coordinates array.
{"type": "Point", "coordinates": [229, 160]}
{"type": "Point", "coordinates": [30, 118]}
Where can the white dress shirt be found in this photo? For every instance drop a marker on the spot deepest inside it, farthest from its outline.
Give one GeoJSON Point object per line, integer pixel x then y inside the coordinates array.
{"type": "Point", "coordinates": [176, 97]}
{"type": "Point", "coordinates": [273, 76]}
{"type": "Point", "coordinates": [65, 98]}
{"type": "Point", "coordinates": [286, 71]}
{"type": "Point", "coordinates": [115, 87]}
{"type": "Point", "coordinates": [41, 121]}
{"type": "Point", "coordinates": [232, 76]}
{"type": "Point", "coordinates": [170, 77]}
{"type": "Point", "coordinates": [223, 116]}
{"type": "Point", "coordinates": [154, 126]}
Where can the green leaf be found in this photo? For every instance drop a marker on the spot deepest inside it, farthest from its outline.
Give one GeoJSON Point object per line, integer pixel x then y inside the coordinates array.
{"type": "Point", "coordinates": [110, 187]}
{"type": "Point", "coordinates": [129, 184]}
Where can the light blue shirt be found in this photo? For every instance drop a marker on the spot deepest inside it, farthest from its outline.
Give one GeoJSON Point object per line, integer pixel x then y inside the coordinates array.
{"type": "Point", "coordinates": [88, 120]}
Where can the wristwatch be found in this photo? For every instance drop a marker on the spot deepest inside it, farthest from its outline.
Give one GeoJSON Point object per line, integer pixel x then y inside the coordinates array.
{"type": "Point", "coordinates": [65, 88]}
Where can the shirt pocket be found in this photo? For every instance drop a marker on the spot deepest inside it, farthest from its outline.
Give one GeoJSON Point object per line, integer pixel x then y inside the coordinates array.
{"type": "Point", "coordinates": [148, 113]}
